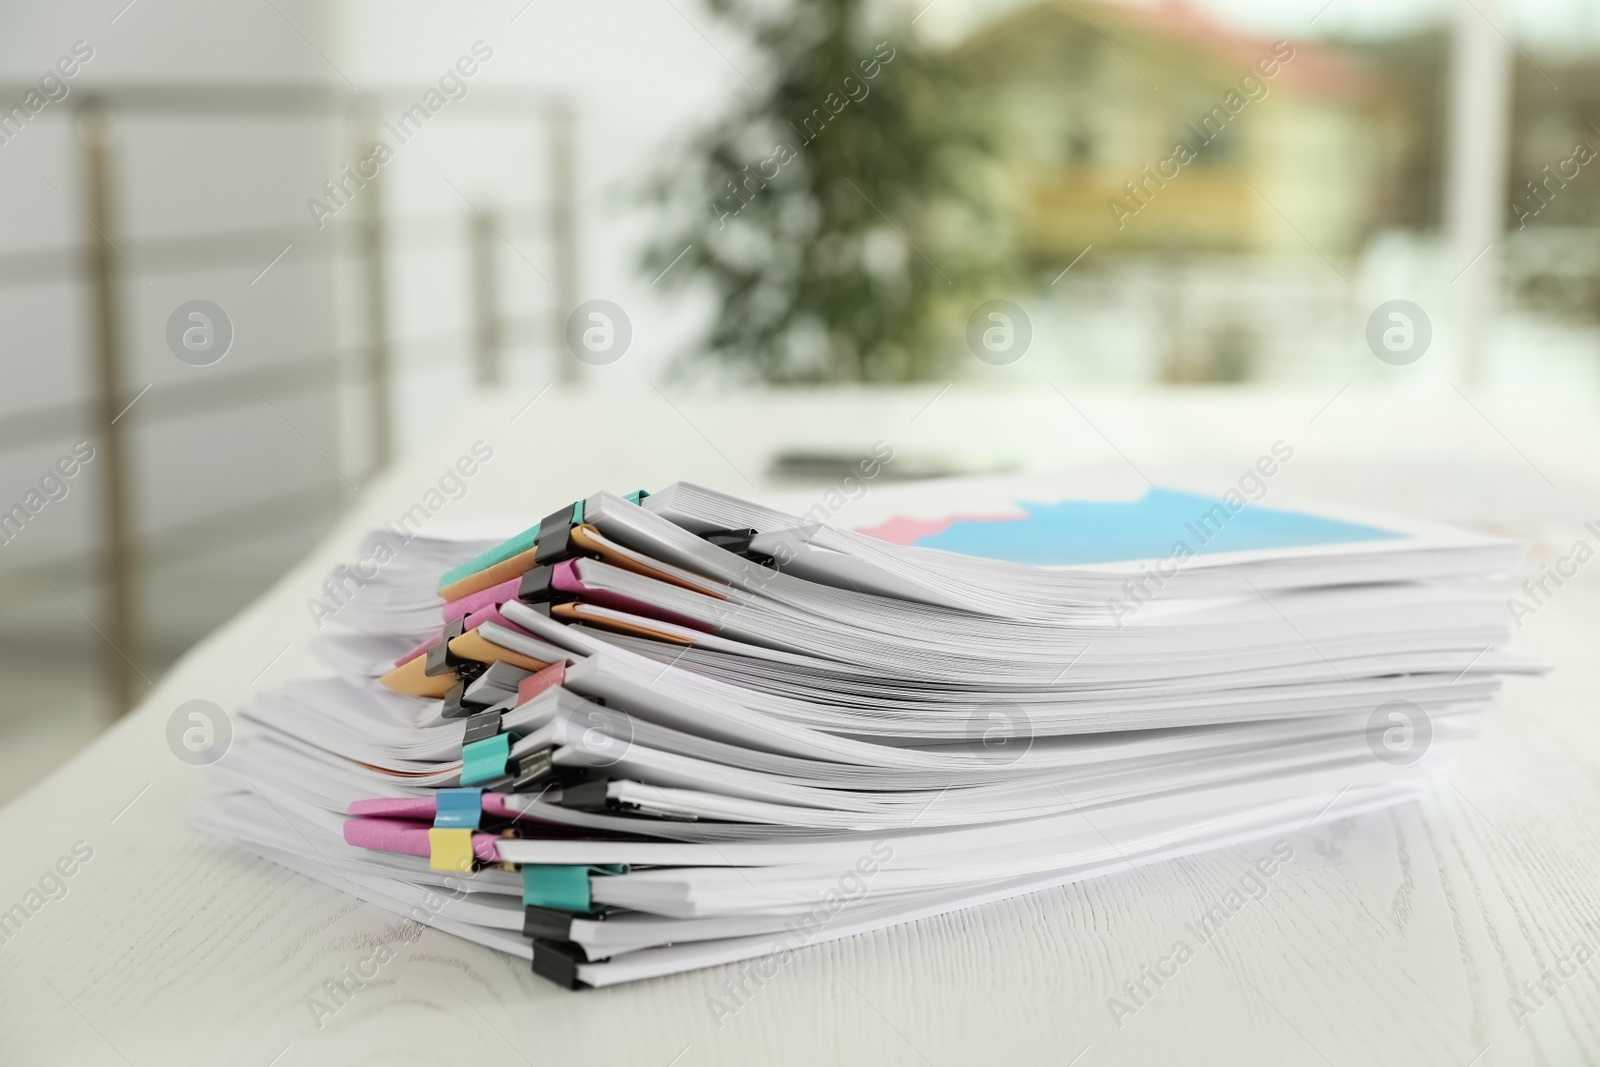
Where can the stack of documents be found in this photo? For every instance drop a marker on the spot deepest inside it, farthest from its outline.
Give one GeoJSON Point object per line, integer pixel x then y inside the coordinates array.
{"type": "Point", "coordinates": [669, 730]}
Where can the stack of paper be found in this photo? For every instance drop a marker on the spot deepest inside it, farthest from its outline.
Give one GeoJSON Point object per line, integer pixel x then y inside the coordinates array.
{"type": "Point", "coordinates": [679, 729]}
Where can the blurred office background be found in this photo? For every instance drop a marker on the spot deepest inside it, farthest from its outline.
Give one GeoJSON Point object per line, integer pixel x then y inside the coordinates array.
{"type": "Point", "coordinates": [790, 194]}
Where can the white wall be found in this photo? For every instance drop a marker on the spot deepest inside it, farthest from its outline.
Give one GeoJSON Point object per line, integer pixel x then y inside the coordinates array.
{"type": "Point", "coordinates": [174, 178]}
{"type": "Point", "coordinates": [639, 75]}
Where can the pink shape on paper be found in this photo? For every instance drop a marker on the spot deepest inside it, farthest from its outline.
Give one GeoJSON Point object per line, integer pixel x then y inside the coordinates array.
{"type": "Point", "coordinates": [407, 838]}
{"type": "Point", "coordinates": [901, 530]}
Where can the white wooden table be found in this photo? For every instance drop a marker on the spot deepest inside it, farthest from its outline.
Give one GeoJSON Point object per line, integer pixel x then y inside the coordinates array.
{"type": "Point", "coordinates": [1394, 938]}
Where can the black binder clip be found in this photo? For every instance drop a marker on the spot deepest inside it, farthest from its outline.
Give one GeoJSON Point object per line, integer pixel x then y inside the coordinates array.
{"type": "Point", "coordinates": [454, 708]}
{"type": "Point", "coordinates": [536, 587]}
{"type": "Point", "coordinates": [587, 795]}
{"type": "Point", "coordinates": [553, 924]}
{"type": "Point", "coordinates": [738, 542]}
{"type": "Point", "coordinates": [481, 725]}
{"type": "Point", "coordinates": [531, 770]}
{"type": "Point", "coordinates": [538, 590]}
{"type": "Point", "coordinates": [457, 705]}
{"type": "Point", "coordinates": [558, 962]}
{"type": "Point", "coordinates": [440, 660]}
{"type": "Point", "coordinates": [554, 542]}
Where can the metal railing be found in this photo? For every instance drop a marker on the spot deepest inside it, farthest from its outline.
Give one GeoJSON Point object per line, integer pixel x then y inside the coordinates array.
{"type": "Point", "coordinates": [98, 265]}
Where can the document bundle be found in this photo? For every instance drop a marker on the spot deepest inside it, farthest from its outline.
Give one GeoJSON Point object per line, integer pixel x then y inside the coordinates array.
{"type": "Point", "coordinates": [669, 730]}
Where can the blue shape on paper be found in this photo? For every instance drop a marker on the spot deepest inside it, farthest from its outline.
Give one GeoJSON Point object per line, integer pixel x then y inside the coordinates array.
{"type": "Point", "coordinates": [1074, 532]}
